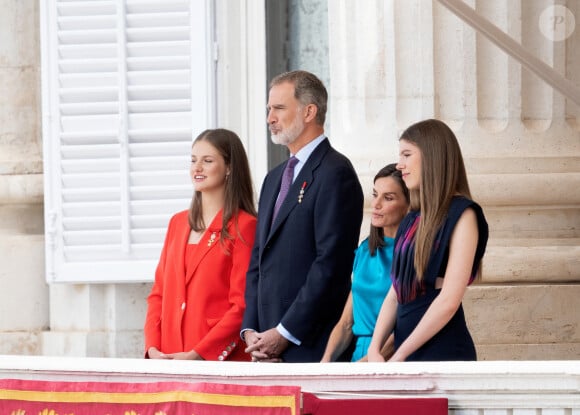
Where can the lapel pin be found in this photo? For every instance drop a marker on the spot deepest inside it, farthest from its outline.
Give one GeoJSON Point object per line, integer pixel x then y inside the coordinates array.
{"type": "Point", "coordinates": [301, 194]}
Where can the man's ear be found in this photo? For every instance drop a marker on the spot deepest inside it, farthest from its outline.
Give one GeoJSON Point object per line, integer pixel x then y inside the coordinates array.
{"type": "Point", "coordinates": [311, 111]}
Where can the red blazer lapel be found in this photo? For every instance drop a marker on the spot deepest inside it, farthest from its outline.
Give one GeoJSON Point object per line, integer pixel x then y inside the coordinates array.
{"type": "Point", "coordinates": [209, 240]}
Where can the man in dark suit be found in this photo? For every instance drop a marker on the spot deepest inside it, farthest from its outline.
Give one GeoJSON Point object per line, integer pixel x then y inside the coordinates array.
{"type": "Point", "coordinates": [299, 273]}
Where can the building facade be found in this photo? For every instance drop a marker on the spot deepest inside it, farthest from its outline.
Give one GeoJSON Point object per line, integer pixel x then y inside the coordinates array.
{"type": "Point", "coordinates": [390, 63]}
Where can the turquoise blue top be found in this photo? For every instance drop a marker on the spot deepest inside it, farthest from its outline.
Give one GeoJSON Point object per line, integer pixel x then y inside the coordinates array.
{"type": "Point", "coordinates": [370, 283]}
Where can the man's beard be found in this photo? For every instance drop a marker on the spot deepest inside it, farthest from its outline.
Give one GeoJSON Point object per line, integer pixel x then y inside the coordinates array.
{"type": "Point", "coordinates": [289, 135]}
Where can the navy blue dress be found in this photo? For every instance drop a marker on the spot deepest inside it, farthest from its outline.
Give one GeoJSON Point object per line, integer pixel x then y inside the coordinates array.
{"type": "Point", "coordinates": [452, 342]}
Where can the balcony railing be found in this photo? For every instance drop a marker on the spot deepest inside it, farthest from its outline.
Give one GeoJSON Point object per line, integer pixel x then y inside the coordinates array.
{"type": "Point", "coordinates": [486, 387]}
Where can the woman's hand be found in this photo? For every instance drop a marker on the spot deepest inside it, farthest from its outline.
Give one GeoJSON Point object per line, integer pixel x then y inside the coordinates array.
{"type": "Point", "coordinates": [191, 355]}
{"type": "Point", "coordinates": [397, 357]}
{"type": "Point", "coordinates": [374, 356]}
{"type": "Point", "coordinates": [154, 353]}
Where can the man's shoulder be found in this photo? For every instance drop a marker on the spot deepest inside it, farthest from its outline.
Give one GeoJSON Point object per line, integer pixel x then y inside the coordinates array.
{"type": "Point", "coordinates": [340, 157]}
{"type": "Point", "coordinates": [336, 159]}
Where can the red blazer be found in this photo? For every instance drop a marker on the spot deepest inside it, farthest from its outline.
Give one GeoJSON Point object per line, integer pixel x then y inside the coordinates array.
{"type": "Point", "coordinates": [202, 309]}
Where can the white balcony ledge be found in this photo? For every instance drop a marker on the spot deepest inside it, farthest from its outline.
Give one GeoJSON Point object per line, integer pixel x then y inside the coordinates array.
{"type": "Point", "coordinates": [535, 386]}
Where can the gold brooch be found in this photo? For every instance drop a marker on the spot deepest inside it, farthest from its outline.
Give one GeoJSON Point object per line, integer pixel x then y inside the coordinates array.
{"type": "Point", "coordinates": [211, 239]}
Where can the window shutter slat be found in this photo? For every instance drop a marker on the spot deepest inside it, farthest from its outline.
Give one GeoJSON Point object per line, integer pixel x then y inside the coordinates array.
{"type": "Point", "coordinates": [119, 93]}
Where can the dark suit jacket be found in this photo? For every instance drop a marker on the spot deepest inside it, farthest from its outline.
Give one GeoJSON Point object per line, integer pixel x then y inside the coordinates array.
{"type": "Point", "coordinates": [300, 270]}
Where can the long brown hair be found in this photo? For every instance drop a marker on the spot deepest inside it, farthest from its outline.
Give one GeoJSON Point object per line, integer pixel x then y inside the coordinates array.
{"type": "Point", "coordinates": [376, 234]}
{"type": "Point", "coordinates": [443, 176]}
{"type": "Point", "coordinates": [239, 191]}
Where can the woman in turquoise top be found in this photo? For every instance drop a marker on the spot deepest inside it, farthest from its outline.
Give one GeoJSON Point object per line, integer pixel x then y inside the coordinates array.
{"type": "Point", "coordinates": [372, 267]}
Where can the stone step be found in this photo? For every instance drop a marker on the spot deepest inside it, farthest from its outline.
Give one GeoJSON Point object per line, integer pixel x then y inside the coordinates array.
{"type": "Point", "coordinates": [533, 221]}
{"type": "Point", "coordinates": [524, 189]}
{"type": "Point", "coordinates": [524, 320]}
{"type": "Point", "coordinates": [531, 261]}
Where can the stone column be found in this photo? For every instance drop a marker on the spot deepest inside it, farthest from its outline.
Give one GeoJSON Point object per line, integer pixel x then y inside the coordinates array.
{"type": "Point", "coordinates": [24, 305]}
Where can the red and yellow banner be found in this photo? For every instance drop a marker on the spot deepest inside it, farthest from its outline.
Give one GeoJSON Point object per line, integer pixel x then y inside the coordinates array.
{"type": "Point", "coordinates": [30, 397]}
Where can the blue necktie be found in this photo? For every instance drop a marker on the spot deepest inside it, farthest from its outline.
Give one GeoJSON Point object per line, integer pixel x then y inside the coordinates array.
{"type": "Point", "coordinates": [287, 178]}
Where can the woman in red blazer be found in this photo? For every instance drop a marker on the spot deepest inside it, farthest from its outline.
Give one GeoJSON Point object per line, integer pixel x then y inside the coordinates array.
{"type": "Point", "coordinates": [196, 304]}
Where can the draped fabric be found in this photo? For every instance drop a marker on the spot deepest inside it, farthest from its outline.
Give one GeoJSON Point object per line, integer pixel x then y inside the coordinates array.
{"type": "Point", "coordinates": [23, 397]}
{"type": "Point", "coordinates": [336, 405]}
{"type": "Point", "coordinates": [403, 272]}
{"type": "Point", "coordinates": [41, 397]}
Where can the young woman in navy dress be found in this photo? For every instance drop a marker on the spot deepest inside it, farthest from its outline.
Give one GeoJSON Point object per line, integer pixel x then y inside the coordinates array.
{"type": "Point", "coordinates": [438, 251]}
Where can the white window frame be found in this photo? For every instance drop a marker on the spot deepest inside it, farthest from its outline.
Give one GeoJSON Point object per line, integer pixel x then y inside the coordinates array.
{"type": "Point", "coordinates": [117, 125]}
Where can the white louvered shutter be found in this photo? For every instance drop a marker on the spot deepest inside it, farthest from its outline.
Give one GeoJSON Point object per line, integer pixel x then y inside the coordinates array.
{"type": "Point", "coordinates": [126, 86]}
